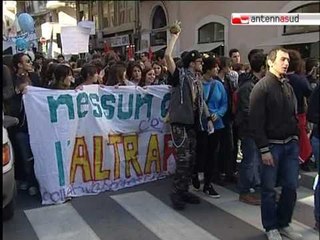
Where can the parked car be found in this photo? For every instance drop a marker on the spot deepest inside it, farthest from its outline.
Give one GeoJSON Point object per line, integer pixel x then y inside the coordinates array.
{"type": "Point", "coordinates": [9, 184]}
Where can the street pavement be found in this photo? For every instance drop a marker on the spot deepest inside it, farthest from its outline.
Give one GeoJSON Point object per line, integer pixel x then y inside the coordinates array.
{"type": "Point", "coordinates": [144, 212]}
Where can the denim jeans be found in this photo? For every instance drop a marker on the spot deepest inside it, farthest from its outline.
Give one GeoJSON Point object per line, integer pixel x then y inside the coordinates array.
{"type": "Point", "coordinates": [315, 142]}
{"type": "Point", "coordinates": [249, 171]}
{"type": "Point", "coordinates": [285, 173]}
{"type": "Point", "coordinates": [317, 202]}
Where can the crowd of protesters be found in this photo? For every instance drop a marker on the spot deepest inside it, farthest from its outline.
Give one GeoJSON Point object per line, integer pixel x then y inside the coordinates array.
{"type": "Point", "coordinates": [218, 107]}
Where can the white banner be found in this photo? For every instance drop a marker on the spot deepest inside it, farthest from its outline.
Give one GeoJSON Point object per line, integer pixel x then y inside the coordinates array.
{"type": "Point", "coordinates": [75, 40]}
{"type": "Point", "coordinates": [98, 139]}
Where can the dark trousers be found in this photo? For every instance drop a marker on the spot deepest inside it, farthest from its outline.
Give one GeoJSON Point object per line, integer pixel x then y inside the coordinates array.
{"type": "Point", "coordinates": [184, 139]}
{"type": "Point", "coordinates": [27, 162]}
{"type": "Point", "coordinates": [206, 160]}
{"type": "Point", "coordinates": [285, 172]}
{"type": "Point", "coordinates": [249, 171]}
{"type": "Point", "coordinates": [236, 138]}
{"type": "Point", "coordinates": [227, 164]}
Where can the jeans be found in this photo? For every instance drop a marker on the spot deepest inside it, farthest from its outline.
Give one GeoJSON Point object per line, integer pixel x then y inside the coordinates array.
{"type": "Point", "coordinates": [285, 173]}
{"type": "Point", "coordinates": [23, 144]}
{"type": "Point", "coordinates": [317, 202]}
{"type": "Point", "coordinates": [315, 142]}
{"type": "Point", "coordinates": [249, 171]}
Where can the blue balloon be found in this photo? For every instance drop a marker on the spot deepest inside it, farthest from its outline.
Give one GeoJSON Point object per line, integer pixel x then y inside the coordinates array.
{"type": "Point", "coordinates": [26, 22]}
{"type": "Point", "coordinates": [21, 45]}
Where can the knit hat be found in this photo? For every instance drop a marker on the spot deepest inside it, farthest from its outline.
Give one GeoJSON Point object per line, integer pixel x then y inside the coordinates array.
{"type": "Point", "coordinates": [191, 57]}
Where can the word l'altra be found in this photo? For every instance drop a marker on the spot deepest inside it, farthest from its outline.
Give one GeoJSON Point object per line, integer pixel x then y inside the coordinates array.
{"type": "Point", "coordinates": [95, 171]}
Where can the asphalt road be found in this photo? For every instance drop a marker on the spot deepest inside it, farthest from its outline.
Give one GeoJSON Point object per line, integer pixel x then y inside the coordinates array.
{"type": "Point", "coordinates": [145, 212]}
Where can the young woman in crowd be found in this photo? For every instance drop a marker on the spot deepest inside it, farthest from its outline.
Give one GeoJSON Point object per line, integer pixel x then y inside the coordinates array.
{"type": "Point", "coordinates": [135, 73]}
{"type": "Point", "coordinates": [159, 73]}
{"type": "Point", "coordinates": [207, 145]}
{"type": "Point", "coordinates": [227, 163]}
{"type": "Point", "coordinates": [117, 75]}
{"type": "Point", "coordinates": [23, 76]}
{"type": "Point", "coordinates": [88, 75]}
{"type": "Point", "coordinates": [63, 77]}
{"type": "Point", "coordinates": [148, 77]}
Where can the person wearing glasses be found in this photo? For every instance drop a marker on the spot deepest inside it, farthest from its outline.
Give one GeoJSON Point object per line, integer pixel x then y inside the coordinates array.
{"type": "Point", "coordinates": [186, 109]}
{"type": "Point", "coordinates": [23, 76]}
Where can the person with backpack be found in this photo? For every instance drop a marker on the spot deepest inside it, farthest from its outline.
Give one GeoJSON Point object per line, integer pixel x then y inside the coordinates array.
{"type": "Point", "coordinates": [249, 176]}
{"type": "Point", "coordinates": [186, 108]}
{"type": "Point", "coordinates": [216, 99]}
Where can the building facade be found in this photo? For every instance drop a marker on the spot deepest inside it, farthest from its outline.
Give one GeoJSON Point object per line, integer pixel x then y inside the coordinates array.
{"type": "Point", "coordinates": [206, 26]}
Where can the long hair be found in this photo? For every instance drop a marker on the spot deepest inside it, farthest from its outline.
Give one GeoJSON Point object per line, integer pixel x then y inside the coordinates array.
{"type": "Point", "coordinates": [116, 74]}
{"type": "Point", "coordinates": [130, 68]}
{"type": "Point", "coordinates": [61, 71]}
{"type": "Point", "coordinates": [16, 59]}
{"type": "Point", "coordinates": [88, 70]}
{"type": "Point", "coordinates": [144, 75]}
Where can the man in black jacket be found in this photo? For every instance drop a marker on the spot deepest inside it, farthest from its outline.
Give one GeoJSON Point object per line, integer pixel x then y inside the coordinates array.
{"type": "Point", "coordinates": [249, 176]}
{"type": "Point", "coordinates": [274, 125]}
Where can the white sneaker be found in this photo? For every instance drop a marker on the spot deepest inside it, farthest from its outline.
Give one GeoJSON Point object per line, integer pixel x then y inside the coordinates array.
{"type": "Point", "coordinates": [273, 235]}
{"type": "Point", "coordinates": [290, 233]}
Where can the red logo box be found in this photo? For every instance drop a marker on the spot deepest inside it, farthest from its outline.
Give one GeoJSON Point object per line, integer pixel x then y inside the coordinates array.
{"type": "Point", "coordinates": [237, 19]}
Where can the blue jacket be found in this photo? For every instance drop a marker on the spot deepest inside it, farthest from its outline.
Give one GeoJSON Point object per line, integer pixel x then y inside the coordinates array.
{"type": "Point", "coordinates": [218, 102]}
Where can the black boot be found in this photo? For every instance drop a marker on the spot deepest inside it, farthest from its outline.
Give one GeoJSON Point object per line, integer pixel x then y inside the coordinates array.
{"type": "Point", "coordinates": [195, 182]}
{"type": "Point", "coordinates": [177, 202]}
{"type": "Point", "coordinates": [189, 197]}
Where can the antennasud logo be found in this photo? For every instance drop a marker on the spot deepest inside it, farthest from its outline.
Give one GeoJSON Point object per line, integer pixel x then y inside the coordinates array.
{"type": "Point", "coordinates": [239, 19]}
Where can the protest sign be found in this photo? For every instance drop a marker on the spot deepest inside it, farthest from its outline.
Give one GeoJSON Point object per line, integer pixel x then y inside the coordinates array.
{"type": "Point", "coordinates": [75, 39]}
{"type": "Point", "coordinates": [98, 139]}
{"type": "Point", "coordinates": [88, 24]}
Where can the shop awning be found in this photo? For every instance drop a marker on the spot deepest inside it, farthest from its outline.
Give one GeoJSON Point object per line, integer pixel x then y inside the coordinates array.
{"type": "Point", "coordinates": [292, 39]}
{"type": "Point", "coordinates": [204, 47]}
{"type": "Point", "coordinates": [153, 49]}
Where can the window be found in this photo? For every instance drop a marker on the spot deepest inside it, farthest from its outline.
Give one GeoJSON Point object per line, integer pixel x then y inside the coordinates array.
{"type": "Point", "coordinates": [108, 14]}
{"type": "Point", "coordinates": [159, 20]}
{"type": "Point", "coordinates": [129, 10]}
{"type": "Point", "coordinates": [125, 11]}
{"type": "Point", "coordinates": [84, 12]}
{"type": "Point", "coordinates": [211, 32]}
{"type": "Point", "coordinates": [309, 8]}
